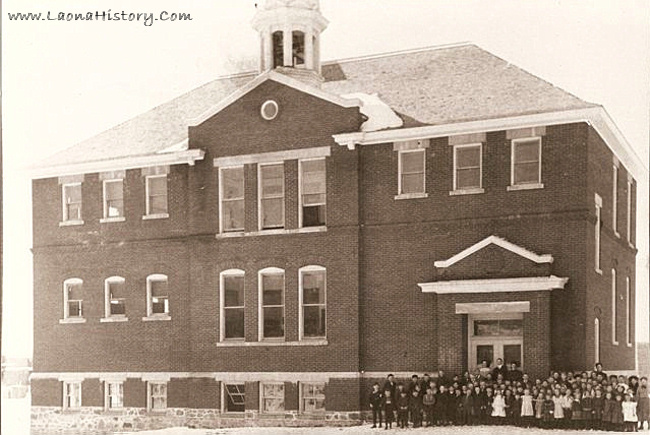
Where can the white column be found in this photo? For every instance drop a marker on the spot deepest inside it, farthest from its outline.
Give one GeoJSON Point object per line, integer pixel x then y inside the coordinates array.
{"type": "Point", "coordinates": [268, 50]}
{"type": "Point", "coordinates": [288, 47]}
{"type": "Point", "coordinates": [309, 50]}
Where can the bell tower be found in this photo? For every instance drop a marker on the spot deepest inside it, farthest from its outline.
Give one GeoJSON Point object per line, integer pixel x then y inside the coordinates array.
{"type": "Point", "coordinates": [290, 38]}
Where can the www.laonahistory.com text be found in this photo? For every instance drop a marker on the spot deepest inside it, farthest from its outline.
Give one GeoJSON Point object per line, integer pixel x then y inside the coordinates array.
{"type": "Point", "coordinates": [147, 18]}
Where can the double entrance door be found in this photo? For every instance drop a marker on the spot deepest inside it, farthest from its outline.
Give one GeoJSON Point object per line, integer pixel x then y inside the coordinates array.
{"type": "Point", "coordinates": [495, 336]}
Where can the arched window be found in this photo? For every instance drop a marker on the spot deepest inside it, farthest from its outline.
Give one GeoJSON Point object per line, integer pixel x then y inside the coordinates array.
{"type": "Point", "coordinates": [157, 296]}
{"type": "Point", "coordinates": [231, 305]}
{"type": "Point", "coordinates": [115, 299]}
{"type": "Point", "coordinates": [596, 339]}
{"type": "Point", "coordinates": [278, 49]}
{"type": "Point", "coordinates": [313, 302]}
{"type": "Point", "coordinates": [271, 303]}
{"type": "Point", "coordinates": [614, 308]}
{"type": "Point", "coordinates": [73, 299]}
{"type": "Point", "coordinates": [298, 48]}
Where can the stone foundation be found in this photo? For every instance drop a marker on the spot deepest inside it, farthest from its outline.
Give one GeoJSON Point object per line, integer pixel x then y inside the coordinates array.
{"type": "Point", "coordinates": [97, 421]}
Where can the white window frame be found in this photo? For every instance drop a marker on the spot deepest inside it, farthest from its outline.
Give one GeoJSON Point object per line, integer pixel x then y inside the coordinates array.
{"type": "Point", "coordinates": [628, 312]}
{"type": "Point", "coordinates": [156, 277]}
{"type": "Point", "coordinates": [300, 200]}
{"type": "Point", "coordinates": [615, 200]}
{"type": "Point", "coordinates": [224, 392]}
{"type": "Point", "coordinates": [66, 396]}
{"type": "Point", "coordinates": [107, 395]}
{"type": "Point", "coordinates": [222, 303]}
{"type": "Point", "coordinates": [596, 339]}
{"type": "Point", "coordinates": [66, 218]}
{"type": "Point", "coordinates": [66, 309]}
{"type": "Point", "coordinates": [108, 317]}
{"type": "Point", "coordinates": [614, 308]}
{"type": "Point", "coordinates": [599, 205]}
{"type": "Point", "coordinates": [261, 306]}
{"type": "Point", "coordinates": [106, 218]}
{"type": "Point", "coordinates": [150, 395]}
{"type": "Point", "coordinates": [263, 397]}
{"type": "Point", "coordinates": [525, 186]}
{"type": "Point", "coordinates": [400, 193]}
{"type": "Point", "coordinates": [301, 305]}
{"type": "Point", "coordinates": [470, 190]}
{"type": "Point", "coordinates": [260, 212]}
{"type": "Point", "coordinates": [222, 200]}
{"type": "Point", "coordinates": [148, 214]}
{"type": "Point", "coordinates": [302, 397]}
{"type": "Point", "coordinates": [629, 210]}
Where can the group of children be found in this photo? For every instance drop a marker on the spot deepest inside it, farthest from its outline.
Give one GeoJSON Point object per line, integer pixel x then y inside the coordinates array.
{"type": "Point", "coordinates": [577, 400]}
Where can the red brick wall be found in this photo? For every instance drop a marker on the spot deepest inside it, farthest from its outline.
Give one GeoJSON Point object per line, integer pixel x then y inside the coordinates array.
{"type": "Point", "coordinates": [46, 392]}
{"type": "Point", "coordinates": [135, 393]}
{"type": "Point", "coordinates": [204, 393]}
{"type": "Point", "coordinates": [92, 392]}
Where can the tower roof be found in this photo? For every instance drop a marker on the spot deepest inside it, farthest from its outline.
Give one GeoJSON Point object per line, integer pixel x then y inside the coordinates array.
{"type": "Point", "coordinates": [298, 4]}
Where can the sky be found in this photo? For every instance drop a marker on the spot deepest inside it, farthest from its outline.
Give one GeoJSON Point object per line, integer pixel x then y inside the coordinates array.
{"type": "Point", "coordinates": [65, 81]}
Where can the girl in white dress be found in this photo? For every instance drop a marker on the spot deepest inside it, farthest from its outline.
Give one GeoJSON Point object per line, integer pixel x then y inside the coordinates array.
{"type": "Point", "coordinates": [630, 418]}
{"type": "Point", "coordinates": [499, 407]}
{"type": "Point", "coordinates": [527, 411]}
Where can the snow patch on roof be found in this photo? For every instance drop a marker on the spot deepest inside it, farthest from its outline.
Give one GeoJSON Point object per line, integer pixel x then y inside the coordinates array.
{"type": "Point", "coordinates": [380, 115]}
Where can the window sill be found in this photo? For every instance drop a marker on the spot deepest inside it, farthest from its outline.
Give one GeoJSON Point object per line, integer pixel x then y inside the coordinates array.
{"type": "Point", "coordinates": [616, 233]}
{"type": "Point", "coordinates": [71, 320]}
{"type": "Point", "coordinates": [112, 219]}
{"type": "Point", "coordinates": [149, 217]}
{"type": "Point", "coordinates": [629, 345]}
{"type": "Point", "coordinates": [71, 223]}
{"type": "Point", "coordinates": [598, 271]}
{"type": "Point", "coordinates": [531, 186]}
{"type": "Point", "coordinates": [631, 245]}
{"type": "Point", "coordinates": [615, 343]}
{"type": "Point", "coordinates": [322, 342]}
{"type": "Point", "coordinates": [412, 195]}
{"type": "Point", "coordinates": [156, 317]}
{"type": "Point", "coordinates": [305, 230]}
{"type": "Point", "coordinates": [472, 191]}
{"type": "Point", "coordinates": [113, 319]}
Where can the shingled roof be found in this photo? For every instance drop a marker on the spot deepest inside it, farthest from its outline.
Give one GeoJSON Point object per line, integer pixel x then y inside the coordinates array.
{"type": "Point", "coordinates": [432, 86]}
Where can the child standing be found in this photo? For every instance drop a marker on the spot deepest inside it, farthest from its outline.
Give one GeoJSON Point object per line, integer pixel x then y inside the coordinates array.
{"type": "Point", "coordinates": [588, 406]}
{"type": "Point", "coordinates": [548, 409]}
{"type": "Point", "coordinates": [539, 408]}
{"type": "Point", "coordinates": [389, 409]}
{"type": "Point", "coordinates": [643, 403]}
{"type": "Point", "coordinates": [597, 413]}
{"type": "Point", "coordinates": [608, 411]}
{"type": "Point", "coordinates": [415, 408]}
{"type": "Point", "coordinates": [376, 403]}
{"type": "Point", "coordinates": [617, 413]}
{"type": "Point", "coordinates": [498, 408]}
{"type": "Point", "coordinates": [402, 410]}
{"type": "Point", "coordinates": [428, 402]}
{"type": "Point", "coordinates": [577, 416]}
{"type": "Point", "coordinates": [527, 411]}
{"type": "Point", "coordinates": [558, 409]}
{"type": "Point", "coordinates": [630, 418]}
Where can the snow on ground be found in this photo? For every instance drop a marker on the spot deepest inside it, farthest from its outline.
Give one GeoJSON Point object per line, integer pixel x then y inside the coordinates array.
{"type": "Point", "coordinates": [16, 416]}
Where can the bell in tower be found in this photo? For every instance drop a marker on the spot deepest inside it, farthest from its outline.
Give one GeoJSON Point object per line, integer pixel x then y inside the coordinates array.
{"type": "Point", "coordinates": [290, 38]}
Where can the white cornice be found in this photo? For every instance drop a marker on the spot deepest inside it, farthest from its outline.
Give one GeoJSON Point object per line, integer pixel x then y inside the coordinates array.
{"type": "Point", "coordinates": [279, 78]}
{"type": "Point", "coordinates": [493, 307]}
{"type": "Point", "coordinates": [271, 157]}
{"type": "Point", "coordinates": [186, 157]}
{"type": "Point", "coordinates": [499, 285]}
{"type": "Point", "coordinates": [596, 116]}
{"type": "Point", "coordinates": [494, 240]}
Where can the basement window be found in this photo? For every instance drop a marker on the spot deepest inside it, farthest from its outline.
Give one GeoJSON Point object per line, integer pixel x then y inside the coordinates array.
{"type": "Point", "coordinates": [272, 398]}
{"type": "Point", "coordinates": [71, 395]}
{"type": "Point", "coordinates": [157, 392]}
{"type": "Point", "coordinates": [114, 395]}
{"type": "Point", "coordinates": [312, 397]}
{"type": "Point", "coordinates": [234, 398]}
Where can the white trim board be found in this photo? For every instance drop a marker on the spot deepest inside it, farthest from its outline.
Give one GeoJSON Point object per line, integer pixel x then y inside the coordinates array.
{"type": "Point", "coordinates": [273, 157]}
{"type": "Point", "coordinates": [493, 307]}
{"type": "Point", "coordinates": [494, 240]}
{"type": "Point", "coordinates": [502, 285]}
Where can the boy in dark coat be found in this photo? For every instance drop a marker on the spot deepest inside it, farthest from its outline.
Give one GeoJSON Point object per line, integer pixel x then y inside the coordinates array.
{"type": "Point", "coordinates": [376, 404]}
{"type": "Point", "coordinates": [389, 409]}
{"type": "Point", "coordinates": [390, 385]}
{"type": "Point", "coordinates": [428, 403]}
{"type": "Point", "coordinates": [415, 408]}
{"type": "Point", "coordinates": [402, 410]}
{"type": "Point", "coordinates": [440, 408]}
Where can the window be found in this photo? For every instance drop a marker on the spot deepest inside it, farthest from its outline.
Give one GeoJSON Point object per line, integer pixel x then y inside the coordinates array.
{"type": "Point", "coordinates": [312, 193]}
{"type": "Point", "coordinates": [468, 167]}
{"type": "Point", "coordinates": [115, 294]}
{"type": "Point", "coordinates": [599, 206]}
{"type": "Point", "coordinates": [73, 299]}
{"type": "Point", "coordinates": [411, 172]}
{"type": "Point", "coordinates": [272, 398]}
{"type": "Point", "coordinates": [72, 202]}
{"type": "Point", "coordinates": [312, 398]}
{"type": "Point", "coordinates": [114, 395]}
{"type": "Point", "coordinates": [614, 308]}
{"type": "Point", "coordinates": [596, 339]}
{"type": "Point", "coordinates": [271, 194]}
{"type": "Point", "coordinates": [157, 396]}
{"type": "Point", "coordinates": [113, 199]}
{"type": "Point", "coordinates": [629, 210]}
{"type": "Point", "coordinates": [298, 48]}
{"type": "Point", "coordinates": [313, 302]}
{"type": "Point", "coordinates": [72, 395]}
{"type": "Point", "coordinates": [156, 187]}
{"type": "Point", "coordinates": [278, 49]}
{"type": "Point", "coordinates": [271, 283]}
{"type": "Point", "coordinates": [232, 304]}
{"type": "Point", "coordinates": [157, 296]}
{"type": "Point", "coordinates": [615, 199]}
{"type": "Point", "coordinates": [629, 309]}
{"type": "Point", "coordinates": [231, 181]}
{"type": "Point", "coordinates": [526, 161]}
{"type": "Point", "coordinates": [234, 398]}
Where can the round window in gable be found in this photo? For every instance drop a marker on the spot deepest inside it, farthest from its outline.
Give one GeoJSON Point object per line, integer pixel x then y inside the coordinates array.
{"type": "Point", "coordinates": [269, 110]}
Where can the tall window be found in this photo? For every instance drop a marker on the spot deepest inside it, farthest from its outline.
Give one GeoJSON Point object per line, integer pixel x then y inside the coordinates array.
{"type": "Point", "coordinates": [312, 192]}
{"type": "Point", "coordinates": [313, 300]}
{"type": "Point", "coordinates": [115, 294]}
{"type": "Point", "coordinates": [231, 181]}
{"type": "Point", "coordinates": [157, 295]}
{"type": "Point", "coordinates": [271, 283]}
{"type": "Point", "coordinates": [278, 49]}
{"type": "Point", "coordinates": [467, 167]}
{"type": "Point", "coordinates": [156, 187]}
{"type": "Point", "coordinates": [271, 194]}
{"type": "Point", "coordinates": [71, 202]}
{"type": "Point", "coordinates": [312, 397]}
{"type": "Point", "coordinates": [614, 308]}
{"type": "Point", "coordinates": [526, 161]}
{"type": "Point", "coordinates": [114, 395]}
{"type": "Point", "coordinates": [615, 199]}
{"type": "Point", "coordinates": [629, 210]}
{"type": "Point", "coordinates": [72, 395]}
{"type": "Point", "coordinates": [73, 298]}
{"type": "Point", "coordinates": [411, 172]}
{"type": "Point", "coordinates": [113, 198]}
{"type": "Point", "coordinates": [232, 304]}
{"type": "Point", "coordinates": [596, 339]}
{"type": "Point", "coordinates": [272, 398]}
{"type": "Point", "coordinates": [157, 396]}
{"type": "Point", "coordinates": [597, 229]}
{"type": "Point", "coordinates": [629, 309]}
{"type": "Point", "coordinates": [234, 398]}
{"type": "Point", "coordinates": [298, 48]}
